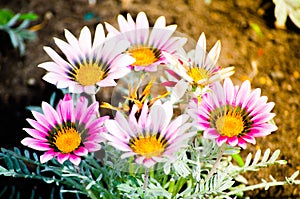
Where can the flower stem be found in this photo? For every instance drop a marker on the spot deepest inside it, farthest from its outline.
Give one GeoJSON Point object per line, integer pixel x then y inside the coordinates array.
{"type": "Point", "coordinates": [265, 185]}
{"type": "Point", "coordinates": [215, 166]}
{"type": "Point", "coordinates": [93, 100]}
{"type": "Point", "coordinates": [146, 178]}
{"type": "Point", "coordinates": [88, 190]}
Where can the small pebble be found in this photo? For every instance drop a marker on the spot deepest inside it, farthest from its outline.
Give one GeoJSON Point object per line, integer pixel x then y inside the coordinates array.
{"type": "Point", "coordinates": [296, 74]}
{"type": "Point", "coordinates": [31, 82]}
{"type": "Point", "coordinates": [277, 75]}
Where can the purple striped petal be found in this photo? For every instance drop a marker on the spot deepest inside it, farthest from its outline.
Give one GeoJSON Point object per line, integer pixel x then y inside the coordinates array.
{"type": "Point", "coordinates": [221, 140]}
{"type": "Point", "coordinates": [35, 144]}
{"type": "Point", "coordinates": [232, 141]}
{"type": "Point", "coordinates": [36, 134]}
{"type": "Point", "coordinates": [61, 157]}
{"type": "Point", "coordinates": [47, 156]}
{"type": "Point", "coordinates": [242, 143]}
{"type": "Point", "coordinates": [92, 146]}
{"type": "Point", "coordinates": [249, 138]}
{"type": "Point", "coordinates": [75, 159]}
{"type": "Point", "coordinates": [210, 133]}
{"type": "Point", "coordinates": [81, 151]}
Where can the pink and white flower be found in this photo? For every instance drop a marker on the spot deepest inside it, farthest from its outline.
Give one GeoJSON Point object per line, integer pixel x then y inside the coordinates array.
{"type": "Point", "coordinates": [197, 68]}
{"type": "Point", "coordinates": [145, 45]}
{"type": "Point", "coordinates": [66, 133]}
{"type": "Point", "coordinates": [88, 66]}
{"type": "Point", "coordinates": [233, 115]}
{"type": "Point", "coordinates": [152, 137]}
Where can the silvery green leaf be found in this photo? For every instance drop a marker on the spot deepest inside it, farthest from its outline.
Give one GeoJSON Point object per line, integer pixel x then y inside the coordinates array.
{"type": "Point", "coordinates": [181, 168]}
{"type": "Point", "coordinates": [226, 185]}
{"type": "Point", "coordinates": [52, 99]}
{"type": "Point", "coordinates": [274, 156]}
{"type": "Point", "coordinates": [9, 163]}
{"type": "Point", "coordinates": [272, 178]}
{"type": "Point", "coordinates": [24, 168]}
{"type": "Point", "coordinates": [27, 154]}
{"type": "Point", "coordinates": [267, 186]}
{"type": "Point", "coordinates": [167, 168]}
{"type": "Point", "coordinates": [2, 169]}
{"type": "Point", "coordinates": [159, 192]}
{"type": "Point", "coordinates": [125, 188]}
{"type": "Point", "coordinates": [35, 156]}
{"type": "Point", "coordinates": [295, 175]}
{"type": "Point", "coordinates": [48, 180]}
{"type": "Point", "coordinates": [88, 187]}
{"type": "Point", "coordinates": [23, 25]}
{"type": "Point", "coordinates": [266, 155]}
{"type": "Point", "coordinates": [13, 38]}
{"type": "Point", "coordinates": [241, 179]}
{"type": "Point", "coordinates": [17, 151]}
{"type": "Point", "coordinates": [21, 46]}
{"type": "Point", "coordinates": [35, 108]}
{"type": "Point", "coordinates": [248, 160]}
{"type": "Point", "coordinates": [281, 161]}
{"type": "Point", "coordinates": [256, 157]}
{"type": "Point", "coordinates": [232, 150]}
{"type": "Point", "coordinates": [99, 177]}
{"type": "Point", "coordinates": [13, 20]}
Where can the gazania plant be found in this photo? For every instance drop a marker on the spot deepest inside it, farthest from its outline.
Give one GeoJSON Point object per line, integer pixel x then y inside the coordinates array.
{"type": "Point", "coordinates": [174, 126]}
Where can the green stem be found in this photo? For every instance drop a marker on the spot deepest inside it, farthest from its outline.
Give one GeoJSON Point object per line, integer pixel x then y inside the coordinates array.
{"type": "Point", "coordinates": [93, 100]}
{"type": "Point", "coordinates": [171, 185]}
{"type": "Point", "coordinates": [146, 178]}
{"type": "Point", "coordinates": [215, 166]}
{"type": "Point", "coordinates": [179, 185]}
{"type": "Point", "coordinates": [165, 178]}
{"type": "Point", "coordinates": [88, 191]}
{"type": "Point", "coordinates": [91, 194]}
{"type": "Point", "coordinates": [261, 185]}
{"type": "Point", "coordinates": [151, 172]}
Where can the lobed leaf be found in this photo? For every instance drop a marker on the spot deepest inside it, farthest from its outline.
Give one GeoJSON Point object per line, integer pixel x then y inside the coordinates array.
{"type": "Point", "coordinates": [256, 157]}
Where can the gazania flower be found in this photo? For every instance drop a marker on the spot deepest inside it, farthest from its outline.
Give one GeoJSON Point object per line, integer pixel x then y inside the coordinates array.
{"type": "Point", "coordinates": [233, 115]}
{"type": "Point", "coordinates": [151, 138]}
{"type": "Point", "coordinates": [137, 94]}
{"type": "Point", "coordinates": [145, 45]}
{"type": "Point", "coordinates": [88, 66]}
{"type": "Point", "coordinates": [197, 68]}
{"type": "Point", "coordinates": [66, 133]}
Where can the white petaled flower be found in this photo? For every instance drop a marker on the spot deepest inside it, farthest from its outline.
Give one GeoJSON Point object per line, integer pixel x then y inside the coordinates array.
{"type": "Point", "coordinates": [145, 45]}
{"type": "Point", "coordinates": [152, 137]}
{"type": "Point", "coordinates": [87, 66]}
{"type": "Point", "coordinates": [197, 67]}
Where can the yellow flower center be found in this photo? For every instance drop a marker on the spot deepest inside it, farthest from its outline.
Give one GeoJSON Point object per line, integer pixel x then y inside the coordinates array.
{"type": "Point", "coordinates": [144, 56]}
{"type": "Point", "coordinates": [230, 125]}
{"type": "Point", "coordinates": [67, 140]}
{"type": "Point", "coordinates": [89, 74]}
{"type": "Point", "coordinates": [197, 74]}
{"type": "Point", "coordinates": [148, 146]}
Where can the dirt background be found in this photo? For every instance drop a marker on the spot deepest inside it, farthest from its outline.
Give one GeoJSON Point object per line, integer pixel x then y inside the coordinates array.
{"type": "Point", "coordinates": [270, 60]}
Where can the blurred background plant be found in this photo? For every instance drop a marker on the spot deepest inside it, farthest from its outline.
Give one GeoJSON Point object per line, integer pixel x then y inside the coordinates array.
{"type": "Point", "coordinates": [16, 26]}
{"type": "Point", "coordinates": [284, 9]}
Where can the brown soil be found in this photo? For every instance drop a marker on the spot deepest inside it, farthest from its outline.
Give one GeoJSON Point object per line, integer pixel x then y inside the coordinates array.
{"type": "Point", "coordinates": [276, 53]}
